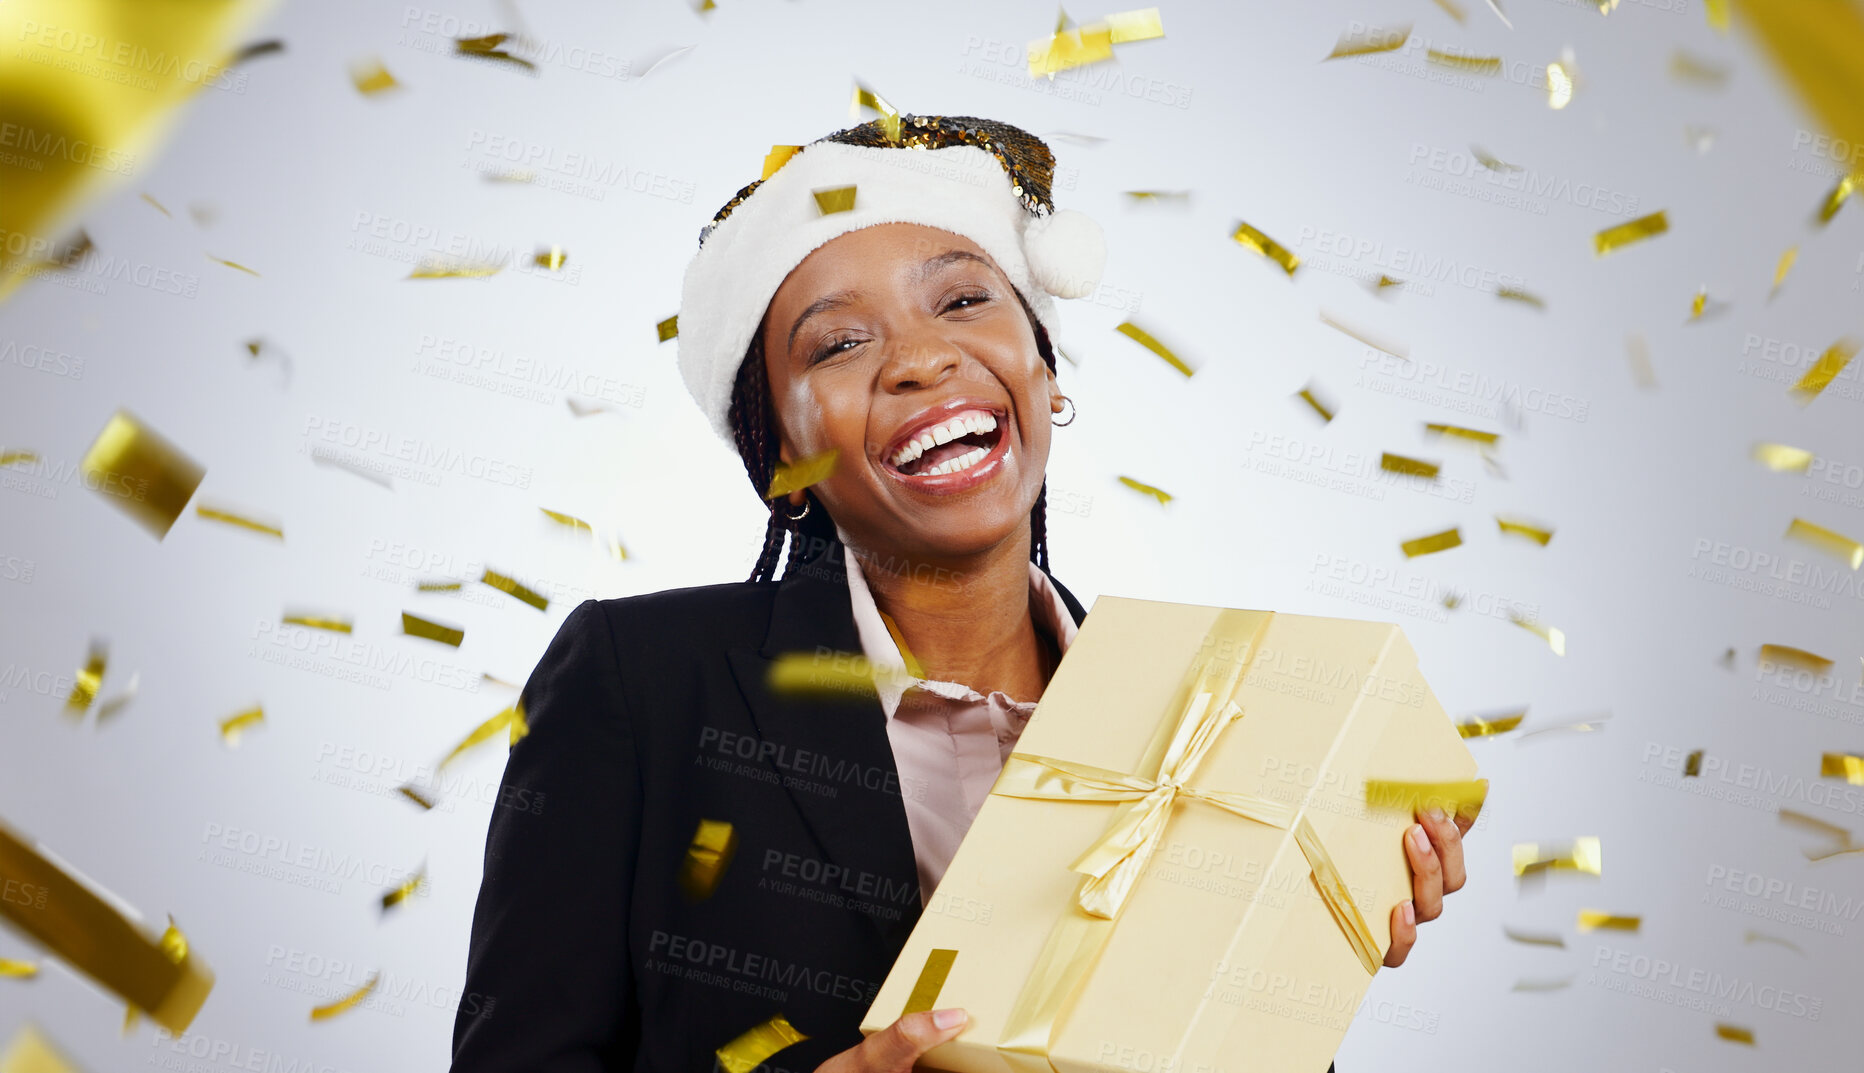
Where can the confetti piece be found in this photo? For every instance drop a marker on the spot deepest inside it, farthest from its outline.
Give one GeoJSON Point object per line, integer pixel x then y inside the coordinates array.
{"type": "Point", "coordinates": [84, 929]}
{"type": "Point", "coordinates": [317, 622]}
{"type": "Point", "coordinates": [810, 674]}
{"type": "Point", "coordinates": [710, 853]}
{"type": "Point", "coordinates": [438, 586]}
{"type": "Point", "coordinates": [551, 258]}
{"type": "Point", "coordinates": [831, 200]}
{"type": "Point", "coordinates": [1583, 854]}
{"type": "Point", "coordinates": [1482, 65]}
{"type": "Point", "coordinates": [668, 328]}
{"type": "Point", "coordinates": [756, 1045]}
{"type": "Point", "coordinates": [1584, 726]}
{"type": "Point", "coordinates": [1597, 920]}
{"type": "Point", "coordinates": [1716, 12]}
{"type": "Point", "coordinates": [1460, 433]}
{"type": "Point", "coordinates": [347, 1002]}
{"type": "Point", "coordinates": [1490, 725]}
{"type": "Point", "coordinates": [416, 884]}
{"type": "Point", "coordinates": [1825, 370]}
{"type": "Point", "coordinates": [1702, 139]}
{"type": "Point", "coordinates": [1070, 47]}
{"type": "Point", "coordinates": [1487, 160]}
{"type": "Point", "coordinates": [87, 681]}
{"type": "Point", "coordinates": [1451, 9]}
{"type": "Point", "coordinates": [1813, 823]}
{"type": "Point", "coordinates": [1827, 540]}
{"type": "Point", "coordinates": [1783, 459]}
{"type": "Point", "coordinates": [1735, 1034]}
{"type": "Point", "coordinates": [778, 156]}
{"type": "Point", "coordinates": [1385, 282]}
{"type": "Point", "coordinates": [1787, 655]}
{"type": "Point", "coordinates": [1692, 764]}
{"type": "Point", "coordinates": [567, 520]}
{"type": "Point", "coordinates": [889, 115]}
{"type": "Point", "coordinates": [508, 720]}
{"type": "Point", "coordinates": [1511, 294]}
{"type": "Point", "coordinates": [1178, 197]}
{"type": "Point", "coordinates": [1559, 86]}
{"type": "Point", "coordinates": [1430, 545]}
{"type": "Point", "coordinates": [1370, 40]}
{"type": "Point", "coordinates": [1846, 766]}
{"type": "Point", "coordinates": [1395, 350]}
{"type": "Point", "coordinates": [214, 514]}
{"type": "Point", "coordinates": [1605, 7]}
{"type": "Point", "coordinates": [18, 970]}
{"type": "Point", "coordinates": [1637, 352]}
{"type": "Point", "coordinates": [1250, 238]}
{"type": "Point", "coordinates": [452, 270]}
{"type": "Point", "coordinates": [1693, 70]}
{"type": "Point", "coordinates": [1834, 200]}
{"type": "Point", "coordinates": [231, 264]}
{"type": "Point", "coordinates": [256, 50]}
{"type": "Point", "coordinates": [801, 474]}
{"type": "Point", "coordinates": [1626, 233]}
{"type": "Point", "coordinates": [1495, 6]}
{"type": "Point", "coordinates": [1537, 534]}
{"type": "Point", "coordinates": [370, 78]}
{"type": "Point", "coordinates": [1159, 494]}
{"type": "Point", "coordinates": [13, 458]}
{"type": "Point", "coordinates": [156, 479]}
{"type": "Point", "coordinates": [1452, 600]}
{"type": "Point", "coordinates": [1763, 937]}
{"type": "Point", "coordinates": [924, 994]}
{"type": "Point", "coordinates": [581, 408]}
{"type": "Point", "coordinates": [32, 1051]}
{"type": "Point", "coordinates": [487, 48]}
{"type": "Point", "coordinates": [1463, 797]}
{"type": "Point", "coordinates": [1144, 338]}
{"type": "Point", "coordinates": [1699, 303]}
{"type": "Point", "coordinates": [338, 462]}
{"type": "Point", "coordinates": [1536, 938]}
{"type": "Point", "coordinates": [109, 708]}
{"type": "Point", "coordinates": [234, 725]}
{"type": "Point", "coordinates": [415, 626]}
{"type": "Point", "coordinates": [1780, 270]}
{"type": "Point", "coordinates": [1074, 137]}
{"type": "Point", "coordinates": [158, 206]}
{"type": "Point", "coordinates": [1392, 463]}
{"type": "Point", "coordinates": [899, 641]}
{"type": "Point", "coordinates": [1324, 409]}
{"type": "Point", "coordinates": [1555, 639]}
{"type": "Point", "coordinates": [514, 176]}
{"type": "Point", "coordinates": [652, 61]}
{"type": "Point", "coordinates": [511, 585]}
{"type": "Point", "coordinates": [1835, 851]}
{"type": "Point", "coordinates": [414, 794]}
{"type": "Point", "coordinates": [1543, 983]}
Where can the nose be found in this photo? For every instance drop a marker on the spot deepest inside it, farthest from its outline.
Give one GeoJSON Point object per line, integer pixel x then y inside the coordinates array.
{"type": "Point", "coordinates": [919, 360]}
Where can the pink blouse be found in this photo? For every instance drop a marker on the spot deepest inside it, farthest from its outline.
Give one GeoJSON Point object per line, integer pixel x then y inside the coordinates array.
{"type": "Point", "coordinates": [949, 741]}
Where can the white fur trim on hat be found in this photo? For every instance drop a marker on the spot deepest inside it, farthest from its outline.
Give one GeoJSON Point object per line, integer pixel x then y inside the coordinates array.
{"type": "Point", "coordinates": [961, 189]}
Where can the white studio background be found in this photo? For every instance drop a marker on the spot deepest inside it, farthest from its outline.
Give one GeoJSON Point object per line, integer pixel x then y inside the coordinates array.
{"type": "Point", "coordinates": [1668, 547]}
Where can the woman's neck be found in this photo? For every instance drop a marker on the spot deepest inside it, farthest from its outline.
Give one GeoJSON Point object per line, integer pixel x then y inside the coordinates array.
{"type": "Point", "coordinates": [969, 623]}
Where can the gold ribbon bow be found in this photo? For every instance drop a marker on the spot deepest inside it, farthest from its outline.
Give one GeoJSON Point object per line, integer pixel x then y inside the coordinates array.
{"type": "Point", "coordinates": [1116, 860]}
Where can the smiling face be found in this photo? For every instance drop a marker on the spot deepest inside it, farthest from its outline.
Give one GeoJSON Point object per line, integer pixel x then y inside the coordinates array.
{"type": "Point", "coordinates": [907, 348]}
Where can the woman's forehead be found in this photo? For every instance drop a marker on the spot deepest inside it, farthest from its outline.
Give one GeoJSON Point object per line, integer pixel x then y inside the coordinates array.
{"type": "Point", "coordinates": [883, 248]}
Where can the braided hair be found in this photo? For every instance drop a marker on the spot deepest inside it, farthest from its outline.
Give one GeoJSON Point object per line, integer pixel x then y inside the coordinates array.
{"type": "Point", "coordinates": [753, 421]}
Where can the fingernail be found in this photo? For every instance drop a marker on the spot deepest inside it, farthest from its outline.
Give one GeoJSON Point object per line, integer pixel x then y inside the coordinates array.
{"type": "Point", "coordinates": [1410, 915]}
{"type": "Point", "coordinates": [951, 1018]}
{"type": "Point", "coordinates": [1435, 814]}
{"type": "Point", "coordinates": [1419, 839]}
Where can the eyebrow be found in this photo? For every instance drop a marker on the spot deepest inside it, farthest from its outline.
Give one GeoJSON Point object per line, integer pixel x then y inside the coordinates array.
{"type": "Point", "coordinates": [843, 299]}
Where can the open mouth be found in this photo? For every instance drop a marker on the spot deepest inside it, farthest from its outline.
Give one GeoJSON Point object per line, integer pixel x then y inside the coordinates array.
{"type": "Point", "coordinates": [955, 444]}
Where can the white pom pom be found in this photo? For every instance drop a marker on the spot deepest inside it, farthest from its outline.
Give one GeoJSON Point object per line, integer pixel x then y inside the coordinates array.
{"type": "Point", "coordinates": [1066, 251]}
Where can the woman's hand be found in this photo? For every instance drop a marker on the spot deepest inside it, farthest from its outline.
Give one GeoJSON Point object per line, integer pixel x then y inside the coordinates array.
{"type": "Point", "coordinates": [1434, 846]}
{"type": "Point", "coordinates": [895, 1048]}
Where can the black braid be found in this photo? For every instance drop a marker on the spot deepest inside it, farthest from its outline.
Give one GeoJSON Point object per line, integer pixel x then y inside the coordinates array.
{"type": "Point", "coordinates": [753, 422]}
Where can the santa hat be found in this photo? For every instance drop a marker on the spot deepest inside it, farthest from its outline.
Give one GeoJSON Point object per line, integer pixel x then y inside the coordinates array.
{"type": "Point", "coordinates": [984, 180]}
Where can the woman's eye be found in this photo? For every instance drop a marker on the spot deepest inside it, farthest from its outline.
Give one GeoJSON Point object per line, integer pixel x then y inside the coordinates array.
{"type": "Point", "coordinates": [832, 348]}
{"type": "Point", "coordinates": [965, 301]}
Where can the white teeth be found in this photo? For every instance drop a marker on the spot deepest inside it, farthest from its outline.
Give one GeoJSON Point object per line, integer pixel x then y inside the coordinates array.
{"type": "Point", "coordinates": [962, 462]}
{"type": "Point", "coordinates": [943, 434]}
{"type": "Point", "coordinates": [956, 428]}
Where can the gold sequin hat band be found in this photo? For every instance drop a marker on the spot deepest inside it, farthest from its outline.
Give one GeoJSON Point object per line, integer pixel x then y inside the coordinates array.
{"type": "Point", "coordinates": [987, 181]}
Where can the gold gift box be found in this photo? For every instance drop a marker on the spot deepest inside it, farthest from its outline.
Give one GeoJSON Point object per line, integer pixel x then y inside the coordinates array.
{"type": "Point", "coordinates": [1178, 869]}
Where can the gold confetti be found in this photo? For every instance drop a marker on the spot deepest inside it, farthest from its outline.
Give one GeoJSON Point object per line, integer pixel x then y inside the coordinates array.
{"type": "Point", "coordinates": [231, 264]}
{"type": "Point", "coordinates": [512, 586]}
{"type": "Point", "coordinates": [234, 725]}
{"type": "Point", "coordinates": [1307, 395]}
{"type": "Point", "coordinates": [834, 199]}
{"type": "Point", "coordinates": [1159, 494]}
{"type": "Point", "coordinates": [18, 970]}
{"type": "Point", "coordinates": [455, 270]}
{"type": "Point", "coordinates": [509, 720]}
{"type": "Point", "coordinates": [1583, 854]}
{"type": "Point", "coordinates": [1699, 303]}
{"type": "Point", "coordinates": [1559, 86]}
{"type": "Point", "coordinates": [1490, 725]}
{"type": "Point", "coordinates": [1458, 432]}
{"type": "Point", "coordinates": [415, 626]}
{"type": "Point", "coordinates": [1827, 540]}
{"type": "Point", "coordinates": [1763, 937]}
{"type": "Point", "coordinates": [668, 328]}
{"type": "Point", "coordinates": [924, 994]}
{"type": "Point", "coordinates": [568, 520]}
{"type": "Point", "coordinates": [778, 156]}
{"type": "Point", "coordinates": [414, 794]}
{"type": "Point", "coordinates": [710, 853]}
{"type": "Point", "coordinates": [1716, 11]}
{"type": "Point", "coordinates": [32, 1051]}
{"type": "Point", "coordinates": [551, 258]}
{"type": "Point", "coordinates": [889, 115]}
{"type": "Point", "coordinates": [255, 50]}
{"type": "Point", "coordinates": [13, 458]}
{"type": "Point", "coordinates": [1250, 238]}
{"type": "Point", "coordinates": [1605, 7]}
{"type": "Point", "coordinates": [1586, 726]}
{"type": "Point", "coordinates": [1385, 282]}
{"type": "Point", "coordinates": [1463, 797]}
{"type": "Point", "coordinates": [1537, 534]}
{"type": "Point", "coordinates": [1813, 823]}
{"type": "Point", "coordinates": [1487, 160]}
{"type": "Point", "coordinates": [1693, 70]}
{"type": "Point", "coordinates": [913, 667]}
{"type": "Point", "coordinates": [416, 884]}
{"type": "Point", "coordinates": [214, 514]}
{"type": "Point", "coordinates": [1452, 600]}
{"type": "Point", "coordinates": [1692, 765]}
{"type": "Point", "coordinates": [1392, 463]}
{"type": "Point", "coordinates": [1637, 352]}
{"type": "Point", "coordinates": [802, 473]}
{"type": "Point", "coordinates": [487, 48]}
{"type": "Point", "coordinates": [82, 927]}
{"type": "Point", "coordinates": [87, 681]}
{"type": "Point", "coordinates": [1430, 545]}
{"type": "Point", "coordinates": [1825, 370]}
{"type": "Point", "coordinates": [1144, 338]}
{"type": "Point", "coordinates": [1365, 42]}
{"type": "Point", "coordinates": [1597, 920]}
{"type": "Point", "coordinates": [159, 207]}
{"type": "Point", "coordinates": [316, 622]}
{"type": "Point", "coordinates": [1783, 459]}
{"type": "Point", "coordinates": [370, 78]}
{"type": "Point", "coordinates": [1780, 270]}
{"type": "Point", "coordinates": [515, 176]}
{"type": "Point", "coordinates": [1555, 639]}
{"type": "Point", "coordinates": [1626, 233]}
{"type": "Point", "coordinates": [1482, 65]}
{"type": "Point", "coordinates": [1834, 200]}
{"type": "Point", "coordinates": [756, 1045]}
{"type": "Point", "coordinates": [438, 586]}
{"type": "Point", "coordinates": [141, 473]}
{"type": "Point", "coordinates": [1735, 1033]}
{"type": "Point", "coordinates": [812, 674]}
{"type": "Point", "coordinates": [1846, 766]}
{"type": "Point", "coordinates": [1536, 938]}
{"type": "Point", "coordinates": [1449, 8]}
{"type": "Point", "coordinates": [1512, 294]}
{"type": "Point", "coordinates": [1835, 851]}
{"type": "Point", "coordinates": [1181, 197]}
{"type": "Point", "coordinates": [347, 1002]}
{"type": "Point", "coordinates": [1078, 46]}
{"type": "Point", "coordinates": [1394, 349]}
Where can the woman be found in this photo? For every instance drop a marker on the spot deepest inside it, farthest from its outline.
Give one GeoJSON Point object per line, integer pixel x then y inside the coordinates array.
{"type": "Point", "coordinates": [905, 324]}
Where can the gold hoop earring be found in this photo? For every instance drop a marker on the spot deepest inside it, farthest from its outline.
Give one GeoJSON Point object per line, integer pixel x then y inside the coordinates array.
{"type": "Point", "coordinates": [807, 504]}
{"type": "Point", "coordinates": [1070, 421]}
